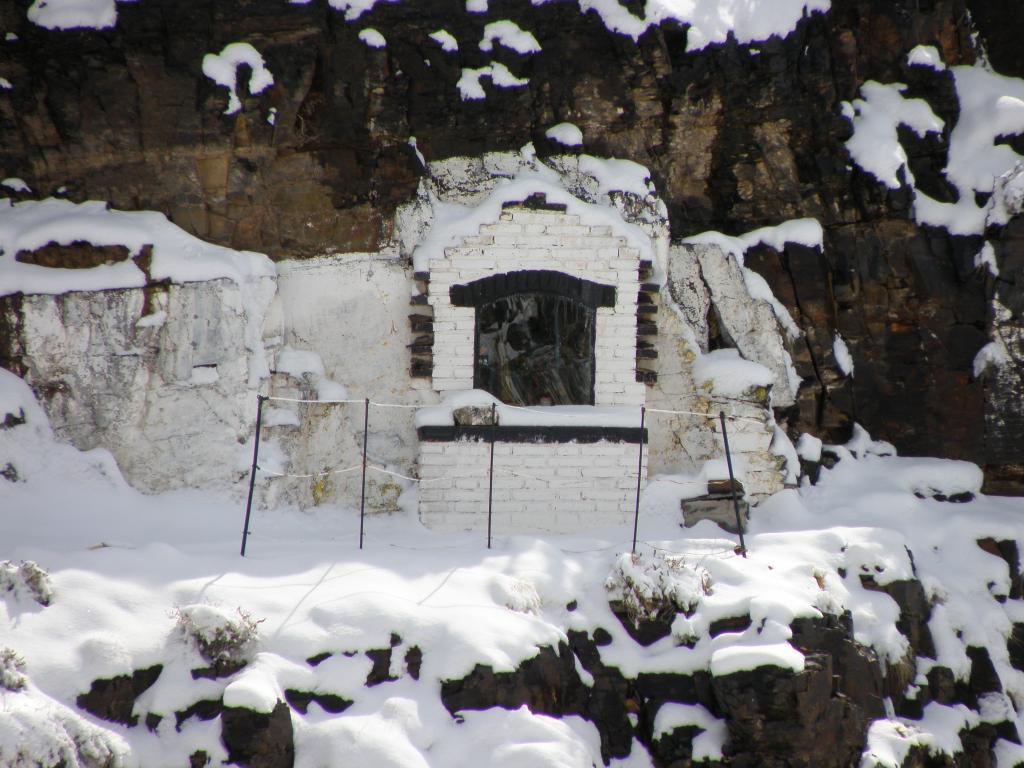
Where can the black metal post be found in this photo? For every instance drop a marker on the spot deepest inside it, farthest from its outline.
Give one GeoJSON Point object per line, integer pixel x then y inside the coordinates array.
{"type": "Point", "coordinates": [732, 483]}
{"type": "Point", "coordinates": [639, 475]}
{"type": "Point", "coordinates": [252, 472]}
{"type": "Point", "coordinates": [490, 474]}
{"type": "Point", "coordinates": [362, 495]}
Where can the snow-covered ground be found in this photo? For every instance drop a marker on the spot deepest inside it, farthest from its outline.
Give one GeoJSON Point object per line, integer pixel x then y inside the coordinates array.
{"type": "Point", "coordinates": [125, 568]}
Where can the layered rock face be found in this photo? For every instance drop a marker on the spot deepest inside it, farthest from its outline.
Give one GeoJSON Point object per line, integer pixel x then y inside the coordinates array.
{"type": "Point", "coordinates": [736, 136]}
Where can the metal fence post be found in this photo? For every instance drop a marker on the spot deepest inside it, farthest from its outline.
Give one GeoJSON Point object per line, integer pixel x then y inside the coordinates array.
{"type": "Point", "coordinates": [490, 474]}
{"type": "Point", "coordinates": [362, 494]}
{"type": "Point", "coordinates": [732, 483]}
{"type": "Point", "coordinates": [252, 472]}
{"type": "Point", "coordinates": [639, 475]}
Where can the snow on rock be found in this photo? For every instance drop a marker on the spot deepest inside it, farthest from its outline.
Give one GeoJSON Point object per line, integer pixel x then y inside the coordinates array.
{"type": "Point", "coordinates": [177, 256]}
{"type": "Point", "coordinates": [222, 68]}
{"type": "Point", "coordinates": [566, 134]}
{"type": "Point", "coordinates": [708, 744]}
{"type": "Point", "coordinates": [890, 741]}
{"type": "Point", "coordinates": [844, 360]}
{"type": "Point", "coordinates": [15, 184]}
{"type": "Point", "coordinates": [501, 76]}
{"type": "Point", "coordinates": [372, 38]}
{"type": "Point", "coordinates": [986, 258]}
{"type": "Point", "coordinates": [991, 106]}
{"type": "Point", "coordinates": [710, 22]}
{"type": "Point", "coordinates": [446, 40]}
{"type": "Point", "coordinates": [510, 35]}
{"type": "Point", "coordinates": [1008, 196]}
{"type": "Point", "coordinates": [992, 354]}
{"type": "Point", "coordinates": [353, 9]}
{"type": "Point", "coordinates": [808, 447]}
{"type": "Point", "coordinates": [876, 115]}
{"type": "Point", "coordinates": [926, 56]}
{"type": "Point", "coordinates": [736, 658]}
{"type": "Point", "coordinates": [73, 14]}
{"type": "Point", "coordinates": [723, 372]}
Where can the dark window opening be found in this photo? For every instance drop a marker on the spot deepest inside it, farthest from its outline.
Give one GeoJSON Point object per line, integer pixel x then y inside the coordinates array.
{"type": "Point", "coordinates": [536, 349]}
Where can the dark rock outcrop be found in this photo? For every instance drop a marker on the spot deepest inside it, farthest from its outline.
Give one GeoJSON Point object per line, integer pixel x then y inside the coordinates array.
{"type": "Point", "coordinates": [259, 739]}
{"type": "Point", "coordinates": [114, 698]}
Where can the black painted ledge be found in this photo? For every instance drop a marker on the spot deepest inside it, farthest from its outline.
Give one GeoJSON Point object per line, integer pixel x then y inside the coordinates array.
{"type": "Point", "coordinates": [527, 434]}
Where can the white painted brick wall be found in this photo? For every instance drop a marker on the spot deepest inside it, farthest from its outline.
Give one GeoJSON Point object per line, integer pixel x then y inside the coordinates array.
{"type": "Point", "coordinates": [562, 487]}
{"type": "Point", "coordinates": [523, 239]}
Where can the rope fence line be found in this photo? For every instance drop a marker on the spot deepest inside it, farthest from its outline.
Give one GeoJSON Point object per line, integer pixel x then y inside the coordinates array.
{"type": "Point", "coordinates": [325, 473]}
{"type": "Point", "coordinates": [528, 409]}
{"type": "Point", "coordinates": [365, 465]}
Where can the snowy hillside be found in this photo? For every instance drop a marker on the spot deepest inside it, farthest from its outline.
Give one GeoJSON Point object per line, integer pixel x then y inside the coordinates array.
{"type": "Point", "coordinates": [140, 585]}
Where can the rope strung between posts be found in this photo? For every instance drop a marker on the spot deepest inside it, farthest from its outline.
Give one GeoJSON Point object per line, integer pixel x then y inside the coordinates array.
{"type": "Point", "coordinates": [325, 473]}
{"type": "Point", "coordinates": [275, 399]}
{"type": "Point", "coordinates": [707, 415]}
{"type": "Point", "coordinates": [533, 409]}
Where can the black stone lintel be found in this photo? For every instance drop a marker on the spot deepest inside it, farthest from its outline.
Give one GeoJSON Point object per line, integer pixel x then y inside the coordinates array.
{"type": "Point", "coordinates": [488, 289]}
{"type": "Point", "coordinates": [538, 201]}
{"type": "Point", "coordinates": [523, 434]}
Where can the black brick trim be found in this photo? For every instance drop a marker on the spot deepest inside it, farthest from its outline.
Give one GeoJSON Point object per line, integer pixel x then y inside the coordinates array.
{"type": "Point", "coordinates": [488, 289]}
{"type": "Point", "coordinates": [522, 434]}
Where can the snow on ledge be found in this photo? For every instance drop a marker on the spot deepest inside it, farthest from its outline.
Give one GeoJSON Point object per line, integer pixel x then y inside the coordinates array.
{"type": "Point", "coordinates": [446, 40]}
{"type": "Point", "coordinates": [533, 416]}
{"type": "Point", "coordinates": [723, 372]}
{"type": "Point", "coordinates": [566, 134]}
{"type": "Point", "coordinates": [177, 255]}
{"type": "Point", "coordinates": [510, 35]}
{"type": "Point", "coordinates": [372, 38]}
{"type": "Point", "coordinates": [73, 14]}
{"type": "Point", "coordinates": [743, 658]}
{"type": "Point", "coordinates": [501, 76]}
{"type": "Point", "coordinates": [926, 56]}
{"type": "Point", "coordinates": [222, 68]}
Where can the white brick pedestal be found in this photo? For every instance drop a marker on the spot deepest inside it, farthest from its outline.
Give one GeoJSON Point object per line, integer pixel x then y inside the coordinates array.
{"type": "Point", "coordinates": [561, 487]}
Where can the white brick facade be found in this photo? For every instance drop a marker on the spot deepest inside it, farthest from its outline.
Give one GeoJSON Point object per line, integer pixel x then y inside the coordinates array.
{"type": "Point", "coordinates": [538, 486]}
{"type": "Point", "coordinates": [562, 487]}
{"type": "Point", "coordinates": [541, 240]}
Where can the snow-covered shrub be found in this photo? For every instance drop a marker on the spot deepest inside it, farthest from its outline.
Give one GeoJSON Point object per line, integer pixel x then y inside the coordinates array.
{"type": "Point", "coordinates": [37, 731]}
{"type": "Point", "coordinates": [225, 640]}
{"type": "Point", "coordinates": [649, 587]}
{"type": "Point", "coordinates": [12, 668]}
{"type": "Point", "coordinates": [26, 580]}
